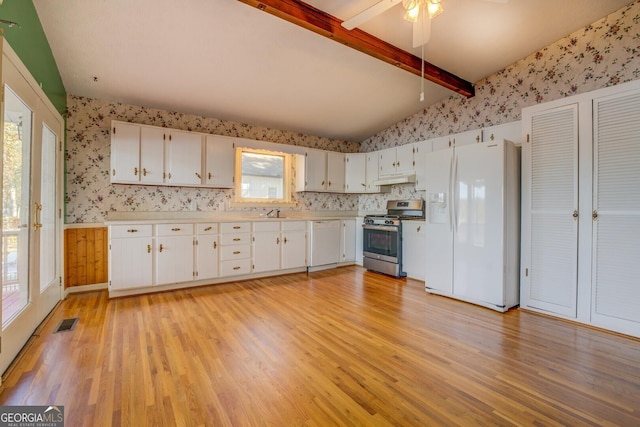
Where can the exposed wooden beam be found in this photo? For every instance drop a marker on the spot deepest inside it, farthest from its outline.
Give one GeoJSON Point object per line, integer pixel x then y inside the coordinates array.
{"type": "Point", "coordinates": [326, 25]}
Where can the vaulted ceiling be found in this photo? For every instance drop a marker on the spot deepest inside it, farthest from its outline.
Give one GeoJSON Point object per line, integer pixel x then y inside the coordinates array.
{"type": "Point", "coordinates": [230, 60]}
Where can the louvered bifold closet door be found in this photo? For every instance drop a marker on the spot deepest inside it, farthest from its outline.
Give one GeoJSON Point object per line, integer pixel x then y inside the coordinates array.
{"type": "Point", "coordinates": [553, 196]}
{"type": "Point", "coordinates": [616, 204]}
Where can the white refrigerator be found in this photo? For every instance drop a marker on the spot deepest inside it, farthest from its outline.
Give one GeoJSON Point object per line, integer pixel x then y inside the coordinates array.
{"type": "Point", "coordinates": [473, 223]}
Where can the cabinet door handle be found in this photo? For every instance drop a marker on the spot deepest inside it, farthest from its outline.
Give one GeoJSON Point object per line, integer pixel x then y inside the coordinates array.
{"type": "Point", "coordinates": [478, 138]}
{"type": "Point", "coordinates": [236, 227]}
{"type": "Point", "coordinates": [161, 248]}
{"type": "Point", "coordinates": [285, 240]}
{"type": "Point", "coordinates": [208, 229]}
{"type": "Point", "coordinates": [209, 175]}
{"type": "Point", "coordinates": [575, 214]}
{"type": "Point", "coordinates": [236, 252]}
{"type": "Point", "coordinates": [594, 215]}
{"type": "Point", "coordinates": [419, 227]}
{"type": "Point", "coordinates": [198, 175]}
{"type": "Point", "coordinates": [277, 240]}
{"type": "Point", "coordinates": [215, 245]}
{"type": "Point", "coordinates": [237, 239]}
{"type": "Point", "coordinates": [175, 229]}
{"type": "Point", "coordinates": [135, 171]}
{"type": "Point", "coordinates": [236, 268]}
{"type": "Point", "coordinates": [144, 171]}
{"type": "Point", "coordinates": [132, 230]}
{"type": "Point", "coordinates": [148, 249]}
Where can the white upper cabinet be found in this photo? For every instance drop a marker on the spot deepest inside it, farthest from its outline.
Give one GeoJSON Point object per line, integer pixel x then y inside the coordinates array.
{"type": "Point", "coordinates": [335, 172]}
{"type": "Point", "coordinates": [441, 143]}
{"type": "Point", "coordinates": [125, 153]}
{"type": "Point", "coordinates": [355, 173]}
{"type": "Point", "coordinates": [152, 155]}
{"type": "Point", "coordinates": [467, 138]}
{"type": "Point", "coordinates": [219, 165]}
{"type": "Point", "coordinates": [184, 158]}
{"type": "Point", "coordinates": [396, 160]}
{"type": "Point", "coordinates": [371, 174]}
{"type": "Point", "coordinates": [420, 157]}
{"type": "Point", "coordinates": [319, 170]}
{"type": "Point", "coordinates": [510, 131]}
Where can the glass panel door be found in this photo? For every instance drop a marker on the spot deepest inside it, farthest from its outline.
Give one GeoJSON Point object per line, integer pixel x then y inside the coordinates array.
{"type": "Point", "coordinates": [47, 210]}
{"type": "Point", "coordinates": [16, 159]}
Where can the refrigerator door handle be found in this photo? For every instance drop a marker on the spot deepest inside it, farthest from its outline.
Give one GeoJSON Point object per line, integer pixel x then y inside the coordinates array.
{"type": "Point", "coordinates": [454, 195]}
{"type": "Point", "coordinates": [451, 199]}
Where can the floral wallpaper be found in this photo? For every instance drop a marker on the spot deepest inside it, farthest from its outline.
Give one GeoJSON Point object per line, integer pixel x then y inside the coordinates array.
{"type": "Point", "coordinates": [89, 195]}
{"type": "Point", "coordinates": [602, 54]}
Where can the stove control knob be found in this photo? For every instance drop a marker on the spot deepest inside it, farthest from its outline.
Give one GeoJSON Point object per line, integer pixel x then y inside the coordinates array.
{"type": "Point", "coordinates": [388, 221]}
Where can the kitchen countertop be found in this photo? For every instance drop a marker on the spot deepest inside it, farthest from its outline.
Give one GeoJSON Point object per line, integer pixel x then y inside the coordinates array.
{"type": "Point", "coordinates": [115, 218]}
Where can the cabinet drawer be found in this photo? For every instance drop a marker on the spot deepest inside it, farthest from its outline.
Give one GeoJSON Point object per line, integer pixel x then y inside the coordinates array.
{"type": "Point", "coordinates": [207, 228]}
{"type": "Point", "coordinates": [235, 266]}
{"type": "Point", "coordinates": [174, 229]}
{"type": "Point", "coordinates": [135, 230]}
{"type": "Point", "coordinates": [235, 252]}
{"type": "Point", "coordinates": [294, 226]}
{"type": "Point", "coordinates": [235, 239]}
{"type": "Point", "coordinates": [266, 226]}
{"type": "Point", "coordinates": [235, 227]}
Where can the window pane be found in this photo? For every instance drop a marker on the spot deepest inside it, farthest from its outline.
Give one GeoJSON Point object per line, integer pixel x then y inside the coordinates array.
{"type": "Point", "coordinates": [262, 176]}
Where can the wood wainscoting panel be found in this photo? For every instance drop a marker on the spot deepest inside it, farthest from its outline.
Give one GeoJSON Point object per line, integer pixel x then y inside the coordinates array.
{"type": "Point", "coordinates": [85, 256]}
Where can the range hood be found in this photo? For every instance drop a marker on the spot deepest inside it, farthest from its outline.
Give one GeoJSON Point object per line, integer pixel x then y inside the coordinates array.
{"type": "Point", "coordinates": [396, 179]}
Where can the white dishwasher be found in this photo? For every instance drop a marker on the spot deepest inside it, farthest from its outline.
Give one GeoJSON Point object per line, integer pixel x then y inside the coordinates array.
{"type": "Point", "coordinates": [325, 242]}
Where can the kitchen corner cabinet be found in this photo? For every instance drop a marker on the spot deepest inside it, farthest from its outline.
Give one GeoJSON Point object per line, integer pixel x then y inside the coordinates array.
{"type": "Point", "coordinates": [219, 167]}
{"type": "Point", "coordinates": [414, 248]}
{"type": "Point", "coordinates": [348, 241]}
{"type": "Point", "coordinates": [207, 251]}
{"type": "Point", "coordinates": [130, 256]}
{"type": "Point", "coordinates": [175, 253]}
{"type": "Point", "coordinates": [581, 208]}
{"type": "Point", "coordinates": [420, 158]}
{"type": "Point", "coordinates": [184, 158]}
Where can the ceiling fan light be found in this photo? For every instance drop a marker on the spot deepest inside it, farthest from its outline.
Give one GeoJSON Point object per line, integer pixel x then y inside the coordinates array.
{"type": "Point", "coordinates": [434, 8]}
{"type": "Point", "coordinates": [412, 10]}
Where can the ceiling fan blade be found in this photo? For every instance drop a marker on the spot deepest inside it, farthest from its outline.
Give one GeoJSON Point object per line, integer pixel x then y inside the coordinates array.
{"type": "Point", "coordinates": [369, 13]}
{"type": "Point", "coordinates": [421, 31]}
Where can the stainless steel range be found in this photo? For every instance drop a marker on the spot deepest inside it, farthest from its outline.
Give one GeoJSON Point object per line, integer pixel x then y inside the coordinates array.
{"type": "Point", "coordinates": [382, 234]}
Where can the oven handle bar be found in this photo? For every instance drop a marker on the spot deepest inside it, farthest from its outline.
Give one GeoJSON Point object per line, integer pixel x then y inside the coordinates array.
{"type": "Point", "coordinates": [380, 227]}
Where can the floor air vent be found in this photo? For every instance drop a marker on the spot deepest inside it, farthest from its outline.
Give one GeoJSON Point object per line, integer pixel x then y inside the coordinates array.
{"type": "Point", "coordinates": [66, 325]}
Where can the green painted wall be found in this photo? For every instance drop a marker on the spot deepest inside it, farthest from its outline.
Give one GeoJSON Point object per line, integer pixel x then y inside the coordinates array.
{"type": "Point", "coordinates": [31, 45]}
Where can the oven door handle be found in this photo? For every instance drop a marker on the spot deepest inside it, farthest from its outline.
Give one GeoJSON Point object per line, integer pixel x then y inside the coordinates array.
{"type": "Point", "coordinates": [391, 228]}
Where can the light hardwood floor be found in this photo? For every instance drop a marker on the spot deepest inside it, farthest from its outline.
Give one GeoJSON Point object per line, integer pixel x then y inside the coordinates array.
{"type": "Point", "coordinates": [337, 347]}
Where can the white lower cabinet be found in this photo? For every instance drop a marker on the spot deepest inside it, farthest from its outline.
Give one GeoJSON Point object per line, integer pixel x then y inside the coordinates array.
{"type": "Point", "coordinates": [174, 253]}
{"type": "Point", "coordinates": [413, 249]}
{"type": "Point", "coordinates": [294, 244]}
{"type": "Point", "coordinates": [235, 248]}
{"type": "Point", "coordinates": [130, 256]}
{"type": "Point", "coordinates": [266, 246]}
{"type": "Point", "coordinates": [207, 251]}
{"type": "Point", "coordinates": [142, 256]}
{"type": "Point", "coordinates": [348, 241]}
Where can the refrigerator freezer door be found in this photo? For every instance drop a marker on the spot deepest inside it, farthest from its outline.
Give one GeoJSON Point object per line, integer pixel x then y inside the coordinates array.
{"type": "Point", "coordinates": [479, 223]}
{"type": "Point", "coordinates": [438, 227]}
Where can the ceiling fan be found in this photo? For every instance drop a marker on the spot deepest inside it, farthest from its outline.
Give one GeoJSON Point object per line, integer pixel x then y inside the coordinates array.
{"type": "Point", "coordinates": [420, 12]}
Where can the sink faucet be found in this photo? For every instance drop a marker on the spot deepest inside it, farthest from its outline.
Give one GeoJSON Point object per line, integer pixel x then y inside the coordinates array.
{"type": "Point", "coordinates": [268, 215]}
